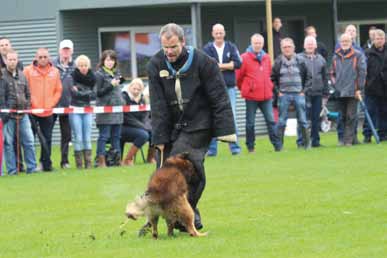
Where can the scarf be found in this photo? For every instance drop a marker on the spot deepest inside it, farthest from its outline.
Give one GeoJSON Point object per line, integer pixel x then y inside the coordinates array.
{"type": "Point", "coordinates": [88, 79]}
{"type": "Point", "coordinates": [183, 69]}
{"type": "Point", "coordinates": [107, 70]}
{"type": "Point", "coordinates": [259, 55]}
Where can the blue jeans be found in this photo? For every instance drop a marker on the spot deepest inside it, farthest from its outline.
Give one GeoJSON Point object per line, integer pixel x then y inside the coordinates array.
{"type": "Point", "coordinates": [266, 108]}
{"type": "Point", "coordinates": [26, 138]}
{"type": "Point", "coordinates": [284, 102]}
{"type": "Point", "coordinates": [313, 110]}
{"type": "Point", "coordinates": [108, 133]}
{"type": "Point", "coordinates": [234, 147]}
{"type": "Point", "coordinates": [377, 108]}
{"type": "Point", "coordinates": [81, 128]}
{"type": "Point", "coordinates": [137, 136]}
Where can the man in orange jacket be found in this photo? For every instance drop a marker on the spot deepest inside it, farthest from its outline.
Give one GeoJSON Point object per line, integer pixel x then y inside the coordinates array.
{"type": "Point", "coordinates": [46, 89]}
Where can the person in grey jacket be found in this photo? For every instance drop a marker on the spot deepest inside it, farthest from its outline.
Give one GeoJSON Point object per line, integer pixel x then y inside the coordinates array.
{"type": "Point", "coordinates": [108, 94]}
{"type": "Point", "coordinates": [291, 80]}
{"type": "Point", "coordinates": [66, 66]}
{"type": "Point", "coordinates": [318, 90]}
{"type": "Point", "coordinates": [348, 75]}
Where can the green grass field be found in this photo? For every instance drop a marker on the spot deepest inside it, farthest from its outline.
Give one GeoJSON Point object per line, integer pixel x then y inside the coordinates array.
{"type": "Point", "coordinates": [322, 203]}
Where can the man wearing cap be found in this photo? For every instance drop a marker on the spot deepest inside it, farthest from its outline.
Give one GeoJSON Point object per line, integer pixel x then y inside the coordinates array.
{"type": "Point", "coordinates": [46, 89]}
{"type": "Point", "coordinates": [64, 63]}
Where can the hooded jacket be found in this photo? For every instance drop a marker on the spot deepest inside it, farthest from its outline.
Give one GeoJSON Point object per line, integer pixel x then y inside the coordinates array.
{"type": "Point", "coordinates": [253, 78]}
{"type": "Point", "coordinates": [45, 86]}
{"type": "Point", "coordinates": [348, 72]}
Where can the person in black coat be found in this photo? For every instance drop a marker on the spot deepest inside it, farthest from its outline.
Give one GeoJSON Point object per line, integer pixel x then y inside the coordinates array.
{"type": "Point", "coordinates": [136, 127]}
{"type": "Point", "coordinates": [189, 105]}
{"type": "Point", "coordinates": [376, 87]}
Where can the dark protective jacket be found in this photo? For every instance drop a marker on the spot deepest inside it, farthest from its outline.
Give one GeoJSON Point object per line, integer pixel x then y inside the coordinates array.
{"type": "Point", "coordinates": [206, 103]}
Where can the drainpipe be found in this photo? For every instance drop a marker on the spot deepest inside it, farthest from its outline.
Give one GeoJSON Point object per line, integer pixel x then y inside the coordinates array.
{"type": "Point", "coordinates": [334, 20]}
{"type": "Point", "coordinates": [196, 22]}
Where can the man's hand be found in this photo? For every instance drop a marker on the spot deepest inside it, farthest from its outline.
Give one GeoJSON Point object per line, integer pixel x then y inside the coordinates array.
{"type": "Point", "coordinates": [228, 138]}
{"type": "Point", "coordinates": [358, 95]}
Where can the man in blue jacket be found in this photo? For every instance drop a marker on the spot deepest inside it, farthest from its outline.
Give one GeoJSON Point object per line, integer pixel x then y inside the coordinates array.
{"type": "Point", "coordinates": [227, 56]}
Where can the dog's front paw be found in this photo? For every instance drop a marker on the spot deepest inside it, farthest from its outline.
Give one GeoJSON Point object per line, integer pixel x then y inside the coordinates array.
{"type": "Point", "coordinates": [144, 230]}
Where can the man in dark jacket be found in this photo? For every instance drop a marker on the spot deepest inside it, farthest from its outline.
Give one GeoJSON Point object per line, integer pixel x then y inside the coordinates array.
{"type": "Point", "coordinates": [318, 90]}
{"type": "Point", "coordinates": [17, 97]}
{"type": "Point", "coordinates": [277, 36]}
{"type": "Point", "coordinates": [189, 105]}
{"type": "Point", "coordinates": [376, 86]}
{"type": "Point", "coordinates": [291, 80]}
{"type": "Point", "coordinates": [227, 56]}
{"type": "Point", "coordinates": [66, 66]}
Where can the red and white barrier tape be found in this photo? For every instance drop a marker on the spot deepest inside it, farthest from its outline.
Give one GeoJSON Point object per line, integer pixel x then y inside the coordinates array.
{"type": "Point", "coordinates": [81, 110]}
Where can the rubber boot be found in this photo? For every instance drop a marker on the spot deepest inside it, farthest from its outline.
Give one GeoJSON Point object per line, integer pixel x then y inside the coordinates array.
{"type": "Point", "coordinates": [306, 138]}
{"type": "Point", "coordinates": [151, 155]}
{"type": "Point", "coordinates": [87, 158]}
{"type": "Point", "coordinates": [78, 159]}
{"type": "Point", "coordinates": [129, 159]}
{"type": "Point", "coordinates": [101, 161]}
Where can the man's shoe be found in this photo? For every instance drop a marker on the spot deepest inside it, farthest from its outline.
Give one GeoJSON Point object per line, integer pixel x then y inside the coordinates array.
{"type": "Point", "coordinates": [317, 145]}
{"type": "Point", "coordinates": [198, 220]}
{"type": "Point", "coordinates": [65, 165]}
{"type": "Point", "coordinates": [251, 150]}
{"type": "Point", "coordinates": [367, 139]}
{"type": "Point", "coordinates": [235, 152]}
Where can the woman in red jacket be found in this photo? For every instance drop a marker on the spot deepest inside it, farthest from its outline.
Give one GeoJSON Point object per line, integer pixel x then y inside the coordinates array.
{"type": "Point", "coordinates": [253, 80]}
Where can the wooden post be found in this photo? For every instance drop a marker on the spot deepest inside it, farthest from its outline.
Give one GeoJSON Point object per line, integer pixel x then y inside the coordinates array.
{"type": "Point", "coordinates": [269, 29]}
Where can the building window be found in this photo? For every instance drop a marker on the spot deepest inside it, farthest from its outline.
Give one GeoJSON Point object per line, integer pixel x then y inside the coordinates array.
{"type": "Point", "coordinates": [134, 46]}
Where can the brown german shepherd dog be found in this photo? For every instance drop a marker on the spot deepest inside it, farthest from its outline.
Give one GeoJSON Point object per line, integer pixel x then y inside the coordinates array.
{"type": "Point", "coordinates": [166, 196]}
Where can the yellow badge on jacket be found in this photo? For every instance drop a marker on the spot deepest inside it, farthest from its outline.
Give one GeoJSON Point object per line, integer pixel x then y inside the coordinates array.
{"type": "Point", "coordinates": [164, 73]}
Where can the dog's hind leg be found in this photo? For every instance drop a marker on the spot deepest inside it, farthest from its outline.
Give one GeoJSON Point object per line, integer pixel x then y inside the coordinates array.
{"type": "Point", "coordinates": [170, 225]}
{"type": "Point", "coordinates": [186, 217]}
{"type": "Point", "coordinates": [154, 221]}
